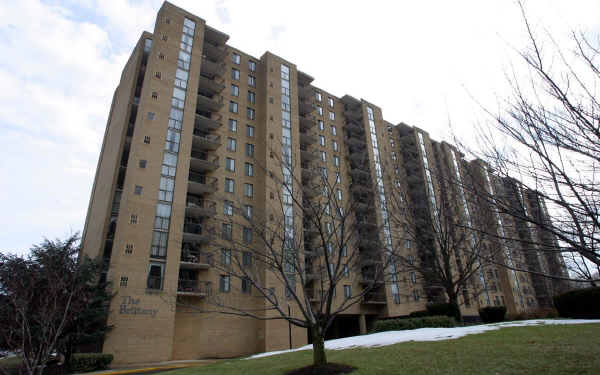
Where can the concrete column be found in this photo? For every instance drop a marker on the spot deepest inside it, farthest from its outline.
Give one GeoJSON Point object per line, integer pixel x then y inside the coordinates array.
{"type": "Point", "coordinates": [362, 322]}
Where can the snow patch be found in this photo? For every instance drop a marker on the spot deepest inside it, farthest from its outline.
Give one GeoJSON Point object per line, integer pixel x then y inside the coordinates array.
{"type": "Point", "coordinates": [423, 334]}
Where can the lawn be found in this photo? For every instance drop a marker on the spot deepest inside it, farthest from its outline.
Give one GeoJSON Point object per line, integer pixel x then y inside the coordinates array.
{"type": "Point", "coordinates": [547, 350]}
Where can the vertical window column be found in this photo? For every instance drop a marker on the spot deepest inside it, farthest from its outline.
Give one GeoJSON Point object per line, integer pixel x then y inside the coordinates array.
{"type": "Point", "coordinates": [286, 166]}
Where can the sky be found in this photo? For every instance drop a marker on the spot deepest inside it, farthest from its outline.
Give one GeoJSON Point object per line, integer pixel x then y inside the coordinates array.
{"type": "Point", "coordinates": [426, 63]}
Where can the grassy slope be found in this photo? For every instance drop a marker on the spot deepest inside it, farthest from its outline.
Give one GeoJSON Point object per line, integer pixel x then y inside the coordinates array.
{"type": "Point", "coordinates": [547, 350]}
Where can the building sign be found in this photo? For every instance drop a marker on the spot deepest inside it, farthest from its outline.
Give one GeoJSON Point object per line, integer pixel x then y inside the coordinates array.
{"type": "Point", "coordinates": [129, 306]}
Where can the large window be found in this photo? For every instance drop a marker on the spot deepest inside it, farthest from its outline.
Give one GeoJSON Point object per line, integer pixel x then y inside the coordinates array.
{"type": "Point", "coordinates": [233, 107]}
{"type": "Point", "coordinates": [235, 74]}
{"type": "Point", "coordinates": [248, 190]}
{"type": "Point", "coordinates": [155, 276]}
{"type": "Point", "coordinates": [249, 150]}
{"type": "Point", "coordinates": [230, 164]}
{"type": "Point", "coordinates": [251, 97]}
{"type": "Point", "coordinates": [251, 81]}
{"type": "Point", "coordinates": [249, 169]}
{"type": "Point", "coordinates": [232, 125]}
{"type": "Point", "coordinates": [249, 131]}
{"type": "Point", "coordinates": [228, 208]}
{"type": "Point", "coordinates": [231, 144]}
{"type": "Point", "coordinates": [235, 90]}
{"type": "Point", "coordinates": [251, 113]}
{"type": "Point", "coordinates": [224, 284]}
{"type": "Point", "coordinates": [251, 66]}
{"type": "Point", "coordinates": [229, 185]}
{"type": "Point", "coordinates": [236, 59]}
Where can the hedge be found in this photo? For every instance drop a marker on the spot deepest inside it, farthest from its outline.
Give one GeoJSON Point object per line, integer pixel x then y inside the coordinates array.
{"type": "Point", "coordinates": [492, 314]}
{"type": "Point", "coordinates": [413, 323]}
{"type": "Point", "coordinates": [419, 314]}
{"type": "Point", "coordinates": [447, 309]}
{"type": "Point", "coordinates": [580, 303]}
{"type": "Point", "coordinates": [84, 362]}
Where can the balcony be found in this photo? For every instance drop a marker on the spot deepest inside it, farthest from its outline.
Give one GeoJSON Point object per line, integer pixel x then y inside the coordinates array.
{"type": "Point", "coordinates": [313, 295]}
{"type": "Point", "coordinates": [308, 173]}
{"type": "Point", "coordinates": [202, 161]}
{"type": "Point", "coordinates": [307, 122]}
{"type": "Point", "coordinates": [304, 79]}
{"type": "Point", "coordinates": [211, 69]}
{"type": "Point", "coordinates": [201, 184]}
{"type": "Point", "coordinates": [374, 298]}
{"type": "Point", "coordinates": [306, 155]}
{"type": "Point", "coordinates": [370, 258]}
{"type": "Point", "coordinates": [307, 138]}
{"type": "Point", "coordinates": [353, 113]}
{"type": "Point", "coordinates": [209, 86]}
{"type": "Point", "coordinates": [305, 92]}
{"type": "Point", "coordinates": [356, 127]}
{"type": "Point", "coordinates": [209, 104]}
{"type": "Point", "coordinates": [204, 123]}
{"type": "Point", "coordinates": [200, 208]}
{"type": "Point", "coordinates": [204, 141]}
{"type": "Point", "coordinates": [198, 233]}
{"type": "Point", "coordinates": [193, 288]}
{"type": "Point", "coordinates": [215, 36]}
{"type": "Point", "coordinates": [305, 107]}
{"type": "Point", "coordinates": [360, 188]}
{"type": "Point", "coordinates": [369, 279]}
{"type": "Point", "coordinates": [358, 142]}
{"type": "Point", "coordinates": [364, 223]}
{"type": "Point", "coordinates": [368, 243]}
{"type": "Point", "coordinates": [198, 260]}
{"type": "Point", "coordinates": [310, 275]}
{"type": "Point", "coordinates": [309, 191]}
{"type": "Point", "coordinates": [214, 52]}
{"type": "Point", "coordinates": [360, 175]}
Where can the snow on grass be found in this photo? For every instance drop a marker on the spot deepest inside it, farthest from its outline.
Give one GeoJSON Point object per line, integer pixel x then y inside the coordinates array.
{"type": "Point", "coordinates": [423, 334]}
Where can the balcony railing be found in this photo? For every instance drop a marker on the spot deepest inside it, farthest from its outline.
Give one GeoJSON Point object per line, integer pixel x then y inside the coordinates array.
{"type": "Point", "coordinates": [198, 233]}
{"type": "Point", "coordinates": [353, 113]}
{"type": "Point", "coordinates": [204, 123]}
{"type": "Point", "coordinates": [209, 86]}
{"type": "Point", "coordinates": [307, 138]}
{"type": "Point", "coordinates": [202, 161]}
{"type": "Point", "coordinates": [213, 52]}
{"type": "Point", "coordinates": [204, 141]}
{"type": "Point", "coordinates": [314, 295]}
{"type": "Point", "coordinates": [375, 298]}
{"type": "Point", "coordinates": [194, 288]}
{"type": "Point", "coordinates": [200, 208]}
{"type": "Point", "coordinates": [201, 184]}
{"type": "Point", "coordinates": [305, 107]}
{"type": "Point", "coordinates": [355, 127]}
{"type": "Point", "coordinates": [205, 103]}
{"type": "Point", "coordinates": [307, 122]}
{"type": "Point", "coordinates": [215, 36]}
{"type": "Point", "coordinates": [196, 259]}
{"type": "Point", "coordinates": [211, 69]}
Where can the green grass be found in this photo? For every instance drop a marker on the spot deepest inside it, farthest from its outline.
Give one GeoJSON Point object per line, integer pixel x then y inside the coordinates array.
{"type": "Point", "coordinates": [546, 350]}
{"type": "Point", "coordinates": [10, 361]}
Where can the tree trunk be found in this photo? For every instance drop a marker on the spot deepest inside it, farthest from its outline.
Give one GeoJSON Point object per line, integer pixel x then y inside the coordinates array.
{"type": "Point", "coordinates": [453, 299]}
{"type": "Point", "coordinates": [318, 341]}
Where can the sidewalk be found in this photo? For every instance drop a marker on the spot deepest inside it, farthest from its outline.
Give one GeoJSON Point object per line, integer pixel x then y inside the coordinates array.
{"type": "Point", "coordinates": [151, 368]}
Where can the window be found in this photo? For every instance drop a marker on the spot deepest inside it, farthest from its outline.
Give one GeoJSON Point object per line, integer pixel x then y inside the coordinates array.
{"type": "Point", "coordinates": [413, 277]}
{"type": "Point", "coordinates": [344, 251]}
{"type": "Point", "coordinates": [346, 270]}
{"type": "Point", "coordinates": [124, 281]}
{"type": "Point", "coordinates": [172, 141]}
{"type": "Point", "coordinates": [143, 163]}
{"type": "Point", "coordinates": [330, 101]}
{"type": "Point", "coordinates": [318, 96]}
{"type": "Point", "coordinates": [321, 125]}
{"type": "Point", "coordinates": [323, 172]}
{"type": "Point", "coordinates": [161, 56]}
{"type": "Point", "coordinates": [138, 190]}
{"type": "Point", "coordinates": [322, 140]}
{"type": "Point", "coordinates": [229, 185]}
{"type": "Point", "coordinates": [232, 125]}
{"type": "Point", "coordinates": [150, 115]}
{"type": "Point", "coordinates": [226, 257]}
{"type": "Point", "coordinates": [224, 284]}
{"type": "Point", "coordinates": [249, 131]}
{"type": "Point", "coordinates": [248, 190]}
{"type": "Point", "coordinates": [248, 211]}
{"type": "Point", "coordinates": [252, 66]}
{"type": "Point", "coordinates": [396, 298]}
{"type": "Point", "coordinates": [235, 90]}
{"type": "Point", "coordinates": [347, 291]}
{"type": "Point", "coordinates": [226, 234]}
{"type": "Point", "coordinates": [249, 169]}
{"type": "Point", "coordinates": [157, 75]}
{"type": "Point", "coordinates": [247, 258]}
{"type": "Point", "coordinates": [228, 208]}
{"type": "Point", "coordinates": [333, 130]}
{"type": "Point", "coordinates": [247, 235]}
{"type": "Point", "coordinates": [166, 187]}
{"type": "Point", "coordinates": [251, 113]}
{"type": "Point", "coordinates": [233, 107]}
{"type": "Point", "coordinates": [338, 178]}
{"type": "Point", "coordinates": [328, 227]}
{"type": "Point", "coordinates": [133, 219]}
{"type": "Point", "coordinates": [251, 97]}
{"type": "Point", "coordinates": [231, 144]}
{"type": "Point", "coordinates": [163, 216]}
{"type": "Point", "coordinates": [236, 59]}
{"type": "Point", "coordinates": [230, 164]}
{"type": "Point", "coordinates": [320, 110]}
{"type": "Point", "coordinates": [323, 156]}
{"type": "Point", "coordinates": [154, 95]}
{"type": "Point", "coordinates": [339, 194]}
{"type": "Point", "coordinates": [334, 144]}
{"type": "Point", "coordinates": [411, 260]}
{"type": "Point", "coordinates": [235, 74]}
{"type": "Point", "coordinates": [408, 244]}
{"type": "Point", "coordinates": [251, 81]}
{"type": "Point", "coordinates": [416, 295]}
{"type": "Point", "coordinates": [155, 275]}
{"type": "Point", "coordinates": [332, 116]}
{"type": "Point", "coordinates": [129, 248]}
{"type": "Point", "coordinates": [159, 244]}
{"type": "Point", "coordinates": [336, 161]}
{"type": "Point", "coordinates": [246, 285]}
{"type": "Point", "coordinates": [249, 150]}
{"type": "Point", "coordinates": [147, 139]}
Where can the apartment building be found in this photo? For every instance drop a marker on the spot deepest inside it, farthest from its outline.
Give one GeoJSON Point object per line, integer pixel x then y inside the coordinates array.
{"type": "Point", "coordinates": [196, 135]}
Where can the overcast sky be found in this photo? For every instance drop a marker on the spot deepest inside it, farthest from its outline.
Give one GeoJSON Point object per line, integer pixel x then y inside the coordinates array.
{"type": "Point", "coordinates": [420, 61]}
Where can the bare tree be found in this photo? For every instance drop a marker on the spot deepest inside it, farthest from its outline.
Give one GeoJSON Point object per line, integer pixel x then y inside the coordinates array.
{"type": "Point", "coordinates": [548, 138]}
{"type": "Point", "coordinates": [301, 250]}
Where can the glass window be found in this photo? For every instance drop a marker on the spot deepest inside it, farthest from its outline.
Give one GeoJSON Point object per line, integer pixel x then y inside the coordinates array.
{"type": "Point", "coordinates": [248, 190]}
{"type": "Point", "coordinates": [224, 284]}
{"type": "Point", "coordinates": [165, 192]}
{"type": "Point", "coordinates": [330, 101]}
{"type": "Point", "coordinates": [249, 131]}
{"type": "Point", "coordinates": [247, 258]}
{"type": "Point", "coordinates": [227, 231]}
{"type": "Point", "coordinates": [344, 251]}
{"type": "Point", "coordinates": [322, 140]}
{"type": "Point", "coordinates": [248, 211]}
{"type": "Point", "coordinates": [318, 96]}
{"type": "Point", "coordinates": [228, 208]}
{"type": "Point", "coordinates": [235, 90]}
{"type": "Point", "coordinates": [246, 285]}
{"type": "Point", "coordinates": [155, 275]}
{"type": "Point", "coordinates": [233, 107]}
{"type": "Point", "coordinates": [320, 110]}
{"type": "Point", "coordinates": [231, 144]}
{"type": "Point", "coordinates": [159, 244]}
{"type": "Point", "coordinates": [236, 59]}
{"type": "Point", "coordinates": [226, 257]}
{"type": "Point", "coordinates": [235, 74]}
{"type": "Point", "coordinates": [336, 161]}
{"type": "Point", "coordinates": [229, 185]}
{"type": "Point", "coordinates": [252, 66]}
{"type": "Point", "coordinates": [331, 115]}
{"type": "Point", "coordinates": [249, 169]}
{"type": "Point", "coordinates": [249, 149]}
{"type": "Point", "coordinates": [334, 144]}
{"type": "Point", "coordinates": [247, 235]}
{"type": "Point", "coordinates": [339, 194]}
{"type": "Point", "coordinates": [230, 164]}
{"type": "Point", "coordinates": [232, 124]}
{"type": "Point", "coordinates": [251, 81]}
{"type": "Point", "coordinates": [333, 130]}
{"type": "Point", "coordinates": [251, 97]}
{"type": "Point", "coordinates": [408, 244]}
{"type": "Point", "coordinates": [347, 291]}
{"type": "Point", "coordinates": [321, 125]}
{"type": "Point", "coordinates": [323, 156]}
{"type": "Point", "coordinates": [413, 277]}
{"type": "Point", "coordinates": [251, 114]}
{"type": "Point", "coordinates": [346, 270]}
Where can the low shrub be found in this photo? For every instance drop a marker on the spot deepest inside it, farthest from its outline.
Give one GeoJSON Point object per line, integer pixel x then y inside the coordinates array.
{"type": "Point", "coordinates": [84, 362]}
{"type": "Point", "coordinates": [492, 314]}
{"type": "Point", "coordinates": [447, 309]}
{"type": "Point", "coordinates": [419, 314]}
{"type": "Point", "coordinates": [580, 303]}
{"type": "Point", "coordinates": [541, 313]}
{"type": "Point", "coordinates": [414, 323]}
